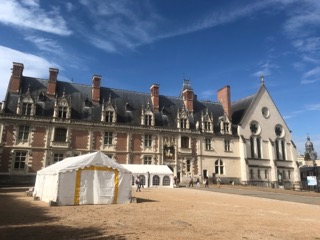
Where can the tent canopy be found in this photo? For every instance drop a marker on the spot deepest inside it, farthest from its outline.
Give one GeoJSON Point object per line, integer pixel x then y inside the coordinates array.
{"type": "Point", "coordinates": [74, 163]}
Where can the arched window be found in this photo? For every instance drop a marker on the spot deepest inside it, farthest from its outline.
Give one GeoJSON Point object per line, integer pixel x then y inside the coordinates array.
{"type": "Point", "coordinates": [166, 181]}
{"type": "Point", "coordinates": [156, 180]}
{"type": "Point", "coordinates": [280, 144]}
{"type": "Point", "coordinates": [219, 167]}
{"type": "Point", "coordinates": [255, 140]}
{"type": "Point", "coordinates": [142, 180]}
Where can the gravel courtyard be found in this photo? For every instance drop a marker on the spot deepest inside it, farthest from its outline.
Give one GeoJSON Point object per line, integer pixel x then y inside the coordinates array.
{"type": "Point", "coordinates": [179, 213]}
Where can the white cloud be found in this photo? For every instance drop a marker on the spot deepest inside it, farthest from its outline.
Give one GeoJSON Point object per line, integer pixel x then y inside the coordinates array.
{"type": "Point", "coordinates": [29, 14]}
{"type": "Point", "coordinates": [208, 94]}
{"type": "Point", "coordinates": [34, 66]}
{"type": "Point", "coordinates": [45, 44]}
{"type": "Point", "coordinates": [313, 107]}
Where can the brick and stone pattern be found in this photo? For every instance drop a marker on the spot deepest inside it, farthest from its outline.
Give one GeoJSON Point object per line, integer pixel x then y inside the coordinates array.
{"type": "Point", "coordinates": [39, 137]}
{"type": "Point", "coordinates": [121, 158]}
{"type": "Point", "coordinates": [5, 160]}
{"type": "Point", "coordinates": [9, 135]}
{"type": "Point", "coordinates": [136, 142]}
{"type": "Point", "coordinates": [37, 161]}
{"type": "Point", "coordinates": [79, 139]}
{"type": "Point", "coordinates": [96, 141]}
{"type": "Point", "coordinates": [121, 142]}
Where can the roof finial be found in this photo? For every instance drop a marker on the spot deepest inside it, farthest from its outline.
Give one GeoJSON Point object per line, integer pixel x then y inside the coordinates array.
{"type": "Point", "coordinates": [262, 79]}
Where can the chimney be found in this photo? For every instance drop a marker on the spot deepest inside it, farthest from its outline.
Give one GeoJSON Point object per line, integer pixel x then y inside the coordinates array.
{"type": "Point", "coordinates": [223, 96]}
{"type": "Point", "coordinates": [15, 80]}
{"type": "Point", "coordinates": [188, 99]}
{"type": "Point", "coordinates": [155, 97]}
{"type": "Point", "coordinates": [52, 83]}
{"type": "Point", "coordinates": [96, 79]}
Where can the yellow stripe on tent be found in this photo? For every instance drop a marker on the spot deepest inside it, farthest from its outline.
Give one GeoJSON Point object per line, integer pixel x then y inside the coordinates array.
{"type": "Point", "coordinates": [96, 168]}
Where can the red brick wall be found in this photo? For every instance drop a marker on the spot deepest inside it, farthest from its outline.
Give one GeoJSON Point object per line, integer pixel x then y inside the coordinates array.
{"type": "Point", "coordinates": [224, 98]}
{"type": "Point", "coordinates": [135, 159]}
{"type": "Point", "coordinates": [5, 160]}
{"type": "Point", "coordinates": [96, 144]}
{"type": "Point", "coordinates": [136, 142]}
{"type": "Point", "coordinates": [121, 142]}
{"type": "Point", "coordinates": [39, 135]}
{"type": "Point", "coordinates": [121, 158]}
{"type": "Point", "coordinates": [9, 135]}
{"type": "Point", "coordinates": [79, 139]}
{"type": "Point", "coordinates": [37, 158]}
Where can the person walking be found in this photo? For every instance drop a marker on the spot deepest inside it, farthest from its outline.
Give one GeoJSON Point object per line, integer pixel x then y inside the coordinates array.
{"type": "Point", "coordinates": [198, 182]}
{"type": "Point", "coordinates": [206, 183]}
{"type": "Point", "coordinates": [191, 182]}
{"type": "Point", "coordinates": [219, 182]}
{"type": "Point", "coordinates": [138, 184]}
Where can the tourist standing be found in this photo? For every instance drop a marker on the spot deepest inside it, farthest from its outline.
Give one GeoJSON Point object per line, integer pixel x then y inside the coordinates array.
{"type": "Point", "coordinates": [138, 184]}
{"type": "Point", "coordinates": [191, 182]}
{"type": "Point", "coordinates": [206, 183]}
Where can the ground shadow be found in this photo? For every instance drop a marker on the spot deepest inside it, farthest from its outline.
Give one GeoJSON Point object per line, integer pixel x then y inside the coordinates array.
{"type": "Point", "coordinates": [54, 232]}
{"type": "Point", "coordinates": [142, 200]}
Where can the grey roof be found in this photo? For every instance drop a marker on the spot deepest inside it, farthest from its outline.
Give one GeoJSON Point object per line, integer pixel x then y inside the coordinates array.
{"type": "Point", "coordinates": [128, 104]}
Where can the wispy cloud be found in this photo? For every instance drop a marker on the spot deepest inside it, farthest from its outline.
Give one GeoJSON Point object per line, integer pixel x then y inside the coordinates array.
{"type": "Point", "coordinates": [265, 69]}
{"type": "Point", "coordinates": [29, 14]}
{"type": "Point", "coordinates": [34, 66]}
{"type": "Point", "coordinates": [313, 107]}
{"type": "Point", "coordinates": [208, 94]}
{"type": "Point", "coordinates": [45, 44]}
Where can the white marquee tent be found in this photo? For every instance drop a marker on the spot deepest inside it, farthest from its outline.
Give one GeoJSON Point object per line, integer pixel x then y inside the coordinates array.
{"type": "Point", "coordinates": [152, 175]}
{"type": "Point", "coordinates": [92, 178]}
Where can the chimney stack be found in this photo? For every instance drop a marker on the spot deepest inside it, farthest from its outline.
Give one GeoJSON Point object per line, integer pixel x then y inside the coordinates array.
{"type": "Point", "coordinates": [96, 80]}
{"type": "Point", "coordinates": [16, 76]}
{"type": "Point", "coordinates": [52, 83]}
{"type": "Point", "coordinates": [224, 98]}
{"type": "Point", "coordinates": [188, 99]}
{"type": "Point", "coordinates": [155, 97]}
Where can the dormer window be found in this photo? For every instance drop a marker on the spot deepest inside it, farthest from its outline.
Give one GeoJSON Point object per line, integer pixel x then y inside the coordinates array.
{"type": "Point", "coordinates": [26, 108]}
{"type": "Point", "coordinates": [207, 121]}
{"type": "Point", "coordinates": [63, 112]}
{"type": "Point", "coordinates": [148, 120]}
{"type": "Point", "coordinates": [225, 124]}
{"type": "Point", "coordinates": [147, 117]}
{"type": "Point", "coordinates": [62, 108]}
{"type": "Point", "coordinates": [108, 112]}
{"type": "Point", "coordinates": [182, 119]}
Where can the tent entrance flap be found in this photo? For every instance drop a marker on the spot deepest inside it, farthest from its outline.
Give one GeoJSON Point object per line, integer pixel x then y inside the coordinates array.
{"type": "Point", "coordinates": [96, 185]}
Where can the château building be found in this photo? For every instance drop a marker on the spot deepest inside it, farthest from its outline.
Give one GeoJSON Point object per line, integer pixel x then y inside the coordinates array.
{"type": "Point", "coordinates": [43, 121]}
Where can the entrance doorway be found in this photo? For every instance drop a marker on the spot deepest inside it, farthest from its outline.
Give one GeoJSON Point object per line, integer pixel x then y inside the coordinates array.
{"type": "Point", "coordinates": [280, 179]}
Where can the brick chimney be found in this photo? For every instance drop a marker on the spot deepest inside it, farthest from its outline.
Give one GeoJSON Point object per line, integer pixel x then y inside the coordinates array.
{"type": "Point", "coordinates": [15, 80]}
{"type": "Point", "coordinates": [96, 80]}
{"type": "Point", "coordinates": [188, 96]}
{"type": "Point", "coordinates": [224, 98]}
{"type": "Point", "coordinates": [52, 83]}
{"type": "Point", "coordinates": [155, 97]}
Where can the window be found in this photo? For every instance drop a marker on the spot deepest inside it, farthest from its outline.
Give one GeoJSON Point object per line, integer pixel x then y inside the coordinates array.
{"type": "Point", "coordinates": [57, 157]}
{"type": "Point", "coordinates": [251, 174]}
{"type": "Point", "coordinates": [147, 160]}
{"type": "Point", "coordinates": [63, 112]}
{"type": "Point", "coordinates": [155, 180]}
{"type": "Point", "coordinates": [109, 116]}
{"type": "Point", "coordinates": [184, 142]}
{"type": "Point", "coordinates": [26, 108]}
{"type": "Point", "coordinates": [280, 148]}
{"type": "Point", "coordinates": [166, 181]}
{"type": "Point", "coordinates": [60, 135]}
{"type": "Point", "coordinates": [188, 165]}
{"type": "Point", "coordinates": [259, 174]}
{"type": "Point", "coordinates": [265, 174]}
{"type": "Point", "coordinates": [219, 168]}
{"type": "Point", "coordinates": [208, 143]}
{"type": "Point", "coordinates": [183, 123]}
{"type": "Point", "coordinates": [255, 146]}
{"type": "Point", "coordinates": [20, 160]}
{"type": "Point", "coordinates": [259, 147]}
{"type": "Point", "coordinates": [147, 140]}
{"type": "Point", "coordinates": [207, 126]}
{"type": "Point", "coordinates": [227, 145]}
{"type": "Point", "coordinates": [23, 132]}
{"type": "Point", "coordinates": [142, 180]}
{"type": "Point", "coordinates": [148, 120]}
{"type": "Point", "coordinates": [289, 174]}
{"type": "Point", "coordinates": [283, 149]}
{"type": "Point", "coordinates": [108, 136]}
{"type": "Point", "coordinates": [252, 147]}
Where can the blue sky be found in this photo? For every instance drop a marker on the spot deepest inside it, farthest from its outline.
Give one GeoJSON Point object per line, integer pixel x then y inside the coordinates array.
{"type": "Point", "coordinates": [214, 43]}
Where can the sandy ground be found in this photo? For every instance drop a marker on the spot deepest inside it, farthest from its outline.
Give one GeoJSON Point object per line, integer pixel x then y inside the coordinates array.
{"type": "Point", "coordinates": [179, 213]}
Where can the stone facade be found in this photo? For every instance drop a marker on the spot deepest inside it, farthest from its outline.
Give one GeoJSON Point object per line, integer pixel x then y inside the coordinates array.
{"type": "Point", "coordinates": [243, 142]}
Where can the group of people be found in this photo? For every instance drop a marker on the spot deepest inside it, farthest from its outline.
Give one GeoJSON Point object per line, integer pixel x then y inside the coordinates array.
{"type": "Point", "coordinates": [206, 182]}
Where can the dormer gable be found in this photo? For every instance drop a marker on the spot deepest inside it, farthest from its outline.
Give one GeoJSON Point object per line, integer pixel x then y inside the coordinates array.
{"type": "Point", "coordinates": [183, 119]}
{"type": "Point", "coordinates": [108, 112]}
{"type": "Point", "coordinates": [62, 107]}
{"type": "Point", "coordinates": [225, 124]}
{"type": "Point", "coordinates": [26, 104]}
{"type": "Point", "coordinates": [207, 121]}
{"type": "Point", "coordinates": [147, 116]}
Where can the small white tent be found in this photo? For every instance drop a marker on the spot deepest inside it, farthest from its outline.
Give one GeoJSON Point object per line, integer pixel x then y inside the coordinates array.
{"type": "Point", "coordinates": [92, 178]}
{"type": "Point", "coordinates": [151, 175]}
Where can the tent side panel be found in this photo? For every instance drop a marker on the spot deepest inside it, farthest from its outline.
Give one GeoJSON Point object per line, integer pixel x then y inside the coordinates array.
{"type": "Point", "coordinates": [67, 184]}
{"type": "Point", "coordinates": [125, 188]}
{"type": "Point", "coordinates": [47, 187]}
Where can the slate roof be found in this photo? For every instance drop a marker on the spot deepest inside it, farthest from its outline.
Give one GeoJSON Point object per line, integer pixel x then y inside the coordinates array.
{"type": "Point", "coordinates": [128, 104]}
